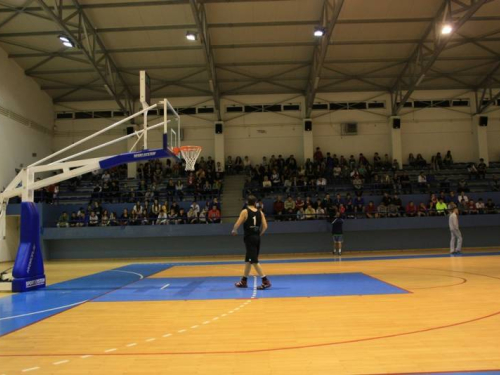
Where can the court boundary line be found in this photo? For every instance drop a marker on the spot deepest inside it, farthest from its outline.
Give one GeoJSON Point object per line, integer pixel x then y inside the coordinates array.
{"type": "Point", "coordinates": [263, 350]}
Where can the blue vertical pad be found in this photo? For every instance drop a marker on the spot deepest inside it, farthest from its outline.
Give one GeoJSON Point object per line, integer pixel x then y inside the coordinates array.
{"type": "Point", "coordinates": [28, 269]}
{"type": "Point", "coordinates": [207, 288]}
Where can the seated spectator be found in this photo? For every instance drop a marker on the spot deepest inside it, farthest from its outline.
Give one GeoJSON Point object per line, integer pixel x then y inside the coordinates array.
{"type": "Point", "coordinates": [105, 219]}
{"type": "Point", "coordinates": [481, 169]}
{"type": "Point", "coordinates": [63, 221]}
{"type": "Point", "coordinates": [196, 208]}
{"type": "Point", "coordinates": [310, 212]}
{"type": "Point", "coordinates": [113, 221]}
{"type": "Point", "coordinates": [300, 214]}
{"type": "Point", "coordinates": [359, 205]}
{"type": "Point", "coordinates": [411, 209]}
{"type": "Point", "coordinates": [124, 217]}
{"type": "Point", "coordinates": [213, 216]}
{"type": "Point", "coordinates": [179, 190]}
{"type": "Point", "coordinates": [422, 210]}
{"type": "Point", "coordinates": [472, 209]}
{"type": "Point", "coordinates": [321, 183]}
{"type": "Point", "coordinates": [202, 217]}
{"type": "Point", "coordinates": [382, 210]}
{"type": "Point", "coordinates": [395, 165]}
{"type": "Point", "coordinates": [473, 171]}
{"type": "Point", "coordinates": [172, 217]}
{"type": "Point", "coordinates": [396, 200]}
{"type": "Point", "coordinates": [289, 206]}
{"type": "Point", "coordinates": [318, 155]}
{"type": "Point", "coordinates": [134, 218]}
{"type": "Point", "coordinates": [386, 199]}
{"type": "Point", "coordinates": [144, 219]}
{"type": "Point", "coordinates": [441, 207]}
{"type": "Point", "coordinates": [299, 203]}
{"type": "Point", "coordinates": [320, 212]}
{"type": "Point", "coordinates": [192, 217]}
{"type": "Point", "coordinates": [73, 220]}
{"type": "Point", "coordinates": [371, 211]}
{"type": "Point", "coordinates": [182, 217]}
{"type": "Point", "coordinates": [412, 161]}
{"type": "Point", "coordinates": [392, 210]}
{"type": "Point", "coordinates": [93, 219]}
{"type": "Point", "coordinates": [422, 181]}
{"type": "Point", "coordinates": [490, 207]}
{"type": "Point", "coordinates": [463, 206]}
{"type": "Point", "coordinates": [137, 208]}
{"type": "Point", "coordinates": [420, 161]}
{"type": "Point", "coordinates": [162, 218]}
{"type": "Point", "coordinates": [448, 159]}
{"type": "Point", "coordinates": [357, 183]}
{"type": "Point", "coordinates": [278, 209]}
{"type": "Point", "coordinates": [480, 206]}
{"type": "Point", "coordinates": [463, 197]}
{"type": "Point", "coordinates": [266, 186]}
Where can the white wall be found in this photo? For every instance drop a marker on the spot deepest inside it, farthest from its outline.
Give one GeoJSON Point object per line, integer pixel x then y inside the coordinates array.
{"type": "Point", "coordinates": [26, 122]}
{"type": "Point", "coordinates": [425, 131]}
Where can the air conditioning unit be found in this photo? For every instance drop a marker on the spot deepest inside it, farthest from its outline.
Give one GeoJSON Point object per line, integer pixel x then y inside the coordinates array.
{"type": "Point", "coordinates": [350, 128]}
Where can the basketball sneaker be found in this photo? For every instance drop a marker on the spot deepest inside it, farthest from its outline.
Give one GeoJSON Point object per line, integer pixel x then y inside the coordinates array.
{"type": "Point", "coordinates": [266, 284]}
{"type": "Point", "coordinates": [242, 283]}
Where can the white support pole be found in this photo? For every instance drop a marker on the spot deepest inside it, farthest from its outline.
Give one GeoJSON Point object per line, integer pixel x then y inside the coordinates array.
{"type": "Point", "coordinates": [145, 131]}
{"type": "Point", "coordinates": [28, 181]}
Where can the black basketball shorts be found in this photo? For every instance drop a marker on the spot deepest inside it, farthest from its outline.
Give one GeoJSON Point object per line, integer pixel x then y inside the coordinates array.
{"type": "Point", "coordinates": [252, 244]}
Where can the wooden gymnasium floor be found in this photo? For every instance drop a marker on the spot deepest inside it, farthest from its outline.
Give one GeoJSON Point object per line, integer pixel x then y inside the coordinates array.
{"type": "Point", "coordinates": [370, 313]}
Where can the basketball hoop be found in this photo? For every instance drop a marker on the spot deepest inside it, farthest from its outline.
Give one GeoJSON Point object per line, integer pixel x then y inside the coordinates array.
{"type": "Point", "coordinates": [189, 154]}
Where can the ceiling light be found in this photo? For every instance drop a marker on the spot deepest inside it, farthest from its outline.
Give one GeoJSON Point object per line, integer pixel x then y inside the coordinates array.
{"type": "Point", "coordinates": [191, 36]}
{"type": "Point", "coordinates": [319, 32]}
{"type": "Point", "coordinates": [447, 29]}
{"type": "Point", "coordinates": [66, 41]}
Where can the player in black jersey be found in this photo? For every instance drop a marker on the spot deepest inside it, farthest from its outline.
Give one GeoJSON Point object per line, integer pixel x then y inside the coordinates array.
{"type": "Point", "coordinates": [254, 225]}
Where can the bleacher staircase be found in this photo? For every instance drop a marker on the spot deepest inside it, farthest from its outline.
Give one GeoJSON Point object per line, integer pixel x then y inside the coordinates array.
{"type": "Point", "coordinates": [232, 200]}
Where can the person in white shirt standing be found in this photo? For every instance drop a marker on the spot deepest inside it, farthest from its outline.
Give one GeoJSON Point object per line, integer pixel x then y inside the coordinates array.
{"type": "Point", "coordinates": [456, 236]}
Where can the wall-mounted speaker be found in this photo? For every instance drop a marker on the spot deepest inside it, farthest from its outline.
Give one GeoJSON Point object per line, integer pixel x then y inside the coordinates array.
{"type": "Point", "coordinates": [308, 125]}
{"type": "Point", "coordinates": [483, 120]}
{"type": "Point", "coordinates": [396, 123]}
{"type": "Point", "coordinates": [130, 130]}
{"type": "Point", "coordinates": [218, 128]}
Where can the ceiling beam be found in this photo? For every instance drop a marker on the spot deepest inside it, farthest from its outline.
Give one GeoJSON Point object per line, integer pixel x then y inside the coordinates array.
{"type": "Point", "coordinates": [484, 93]}
{"type": "Point", "coordinates": [91, 46]}
{"type": "Point", "coordinates": [136, 4]}
{"type": "Point", "coordinates": [329, 17]}
{"type": "Point", "coordinates": [425, 54]}
{"type": "Point", "coordinates": [199, 13]}
{"type": "Point", "coordinates": [420, 42]}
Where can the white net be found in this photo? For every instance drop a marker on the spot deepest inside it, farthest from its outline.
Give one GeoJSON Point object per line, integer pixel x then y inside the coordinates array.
{"type": "Point", "coordinates": [190, 155]}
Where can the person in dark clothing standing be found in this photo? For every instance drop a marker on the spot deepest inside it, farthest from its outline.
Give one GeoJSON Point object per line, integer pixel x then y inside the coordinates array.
{"type": "Point", "coordinates": [254, 225]}
{"type": "Point", "coordinates": [337, 232]}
